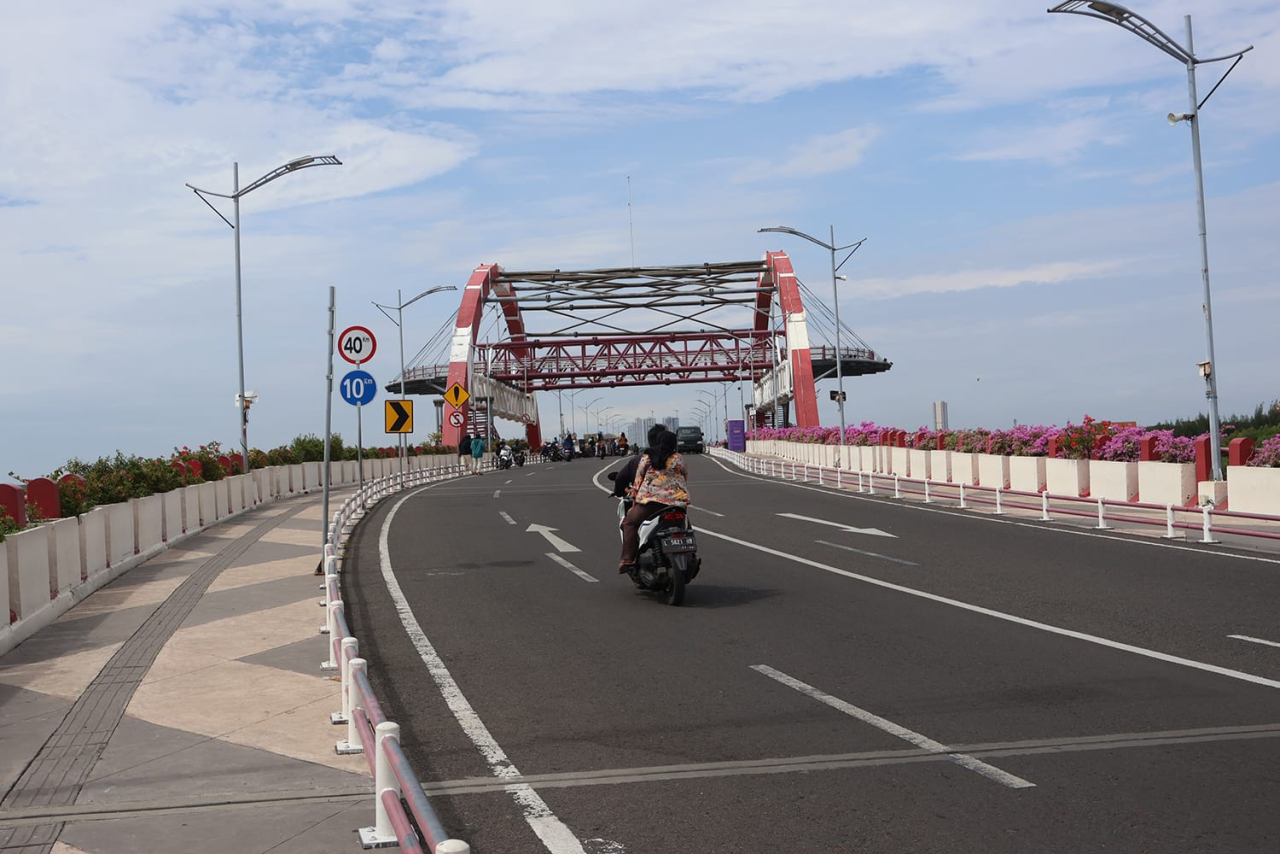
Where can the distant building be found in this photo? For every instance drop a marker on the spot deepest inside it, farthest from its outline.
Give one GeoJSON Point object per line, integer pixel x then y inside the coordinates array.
{"type": "Point", "coordinates": [671, 423]}
{"type": "Point", "coordinates": [940, 415]}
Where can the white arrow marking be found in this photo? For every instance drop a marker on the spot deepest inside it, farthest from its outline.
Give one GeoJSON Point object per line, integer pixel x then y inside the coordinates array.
{"type": "Point", "coordinates": [556, 543]}
{"type": "Point", "coordinates": [875, 532]}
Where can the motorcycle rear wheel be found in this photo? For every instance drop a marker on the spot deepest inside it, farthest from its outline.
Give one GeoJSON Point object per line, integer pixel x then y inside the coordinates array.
{"type": "Point", "coordinates": [674, 594]}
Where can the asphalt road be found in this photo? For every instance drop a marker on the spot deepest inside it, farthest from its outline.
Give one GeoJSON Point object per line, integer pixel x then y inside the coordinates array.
{"type": "Point", "coordinates": [966, 684]}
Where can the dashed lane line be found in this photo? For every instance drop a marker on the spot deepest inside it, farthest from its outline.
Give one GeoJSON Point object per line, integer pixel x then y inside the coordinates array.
{"type": "Point", "coordinates": [505, 515]}
{"type": "Point", "coordinates": [1254, 640]}
{"type": "Point", "coordinates": [867, 553]}
{"type": "Point", "coordinates": [583, 575]}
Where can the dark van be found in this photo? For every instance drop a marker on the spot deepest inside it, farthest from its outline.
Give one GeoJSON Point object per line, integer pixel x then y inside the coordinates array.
{"type": "Point", "coordinates": [689, 439]}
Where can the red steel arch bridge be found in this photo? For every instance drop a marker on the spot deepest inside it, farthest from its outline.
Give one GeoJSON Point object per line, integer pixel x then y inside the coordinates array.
{"type": "Point", "coordinates": [521, 332]}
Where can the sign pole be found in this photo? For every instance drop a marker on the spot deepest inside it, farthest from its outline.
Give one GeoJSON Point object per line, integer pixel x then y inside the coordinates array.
{"type": "Point", "coordinates": [360, 442]}
{"type": "Point", "coordinates": [328, 425]}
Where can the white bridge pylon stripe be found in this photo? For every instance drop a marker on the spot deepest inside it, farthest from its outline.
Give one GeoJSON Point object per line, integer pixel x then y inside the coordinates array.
{"type": "Point", "coordinates": [557, 838]}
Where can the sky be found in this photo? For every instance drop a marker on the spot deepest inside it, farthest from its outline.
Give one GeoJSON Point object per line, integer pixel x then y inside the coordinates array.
{"type": "Point", "coordinates": [1031, 253]}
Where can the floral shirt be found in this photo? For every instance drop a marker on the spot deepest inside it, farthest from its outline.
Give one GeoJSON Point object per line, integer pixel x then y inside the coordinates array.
{"type": "Point", "coordinates": [662, 486]}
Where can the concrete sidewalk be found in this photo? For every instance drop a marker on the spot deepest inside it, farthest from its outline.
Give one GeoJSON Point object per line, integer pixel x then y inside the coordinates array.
{"type": "Point", "coordinates": [182, 707]}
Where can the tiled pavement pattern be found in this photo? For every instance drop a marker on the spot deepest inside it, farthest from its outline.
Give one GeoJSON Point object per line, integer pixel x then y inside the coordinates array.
{"type": "Point", "coordinates": [182, 708]}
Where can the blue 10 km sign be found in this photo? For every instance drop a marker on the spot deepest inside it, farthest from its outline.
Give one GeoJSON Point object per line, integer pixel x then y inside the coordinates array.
{"type": "Point", "coordinates": [358, 388]}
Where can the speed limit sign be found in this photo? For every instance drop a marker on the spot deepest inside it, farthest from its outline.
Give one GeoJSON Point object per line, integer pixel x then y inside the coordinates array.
{"type": "Point", "coordinates": [357, 344]}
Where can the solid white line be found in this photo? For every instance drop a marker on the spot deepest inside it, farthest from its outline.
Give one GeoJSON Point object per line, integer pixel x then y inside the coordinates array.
{"type": "Point", "coordinates": [557, 838]}
{"type": "Point", "coordinates": [505, 515]}
{"type": "Point", "coordinates": [868, 554]}
{"type": "Point", "coordinates": [584, 576]}
{"type": "Point", "coordinates": [1254, 640]}
{"type": "Point", "coordinates": [1000, 615]}
{"type": "Point", "coordinates": [983, 517]}
{"type": "Point", "coordinates": [923, 742]}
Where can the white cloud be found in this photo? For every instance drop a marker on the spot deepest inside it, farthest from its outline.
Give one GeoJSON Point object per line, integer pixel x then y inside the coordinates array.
{"type": "Point", "coordinates": [1053, 143]}
{"type": "Point", "coordinates": [972, 280]}
{"type": "Point", "coordinates": [835, 152]}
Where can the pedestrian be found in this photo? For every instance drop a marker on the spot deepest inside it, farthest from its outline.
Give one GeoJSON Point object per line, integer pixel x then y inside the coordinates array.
{"type": "Point", "coordinates": [477, 454]}
{"type": "Point", "coordinates": [464, 449]}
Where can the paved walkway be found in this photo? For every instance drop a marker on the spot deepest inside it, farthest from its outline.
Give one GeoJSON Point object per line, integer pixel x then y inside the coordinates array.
{"type": "Point", "coordinates": [182, 707]}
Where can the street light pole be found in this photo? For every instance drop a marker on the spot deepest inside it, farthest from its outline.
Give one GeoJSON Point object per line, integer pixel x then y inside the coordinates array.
{"type": "Point", "coordinates": [835, 301]}
{"type": "Point", "coordinates": [398, 320]}
{"type": "Point", "coordinates": [1116, 14]}
{"type": "Point", "coordinates": [292, 166]}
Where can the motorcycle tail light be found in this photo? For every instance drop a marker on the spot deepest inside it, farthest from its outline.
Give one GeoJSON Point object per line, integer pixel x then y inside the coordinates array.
{"type": "Point", "coordinates": [673, 516]}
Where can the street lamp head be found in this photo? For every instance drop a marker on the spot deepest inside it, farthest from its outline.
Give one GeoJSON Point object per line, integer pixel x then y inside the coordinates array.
{"type": "Point", "coordinates": [1174, 118]}
{"type": "Point", "coordinates": [299, 162]}
{"type": "Point", "coordinates": [1111, 10]}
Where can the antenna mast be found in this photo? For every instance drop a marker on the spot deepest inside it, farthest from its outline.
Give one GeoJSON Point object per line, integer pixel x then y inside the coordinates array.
{"type": "Point", "coordinates": [631, 223]}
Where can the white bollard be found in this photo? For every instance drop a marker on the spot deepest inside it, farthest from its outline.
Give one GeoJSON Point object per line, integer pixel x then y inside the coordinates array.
{"type": "Point", "coordinates": [1102, 516]}
{"type": "Point", "coordinates": [871, 483]}
{"type": "Point", "coordinates": [860, 487]}
{"type": "Point", "coordinates": [839, 485]}
{"type": "Point", "coordinates": [384, 778]}
{"type": "Point", "coordinates": [927, 499]}
{"type": "Point", "coordinates": [344, 666]}
{"type": "Point", "coordinates": [330, 664]}
{"type": "Point", "coordinates": [962, 505]}
{"type": "Point", "coordinates": [1044, 507]}
{"type": "Point", "coordinates": [1168, 523]}
{"type": "Point", "coordinates": [351, 744]}
{"type": "Point", "coordinates": [329, 581]}
{"type": "Point", "coordinates": [897, 493]}
{"type": "Point", "coordinates": [453, 846]}
{"type": "Point", "coordinates": [820, 476]}
{"type": "Point", "coordinates": [999, 508]}
{"type": "Point", "coordinates": [1208, 521]}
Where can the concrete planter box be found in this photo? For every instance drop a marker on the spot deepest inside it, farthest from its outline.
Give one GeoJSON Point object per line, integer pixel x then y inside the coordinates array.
{"type": "Point", "coordinates": [993, 470]}
{"type": "Point", "coordinates": [208, 504]}
{"type": "Point", "coordinates": [262, 485]}
{"type": "Point", "coordinates": [311, 476]}
{"type": "Point", "coordinates": [940, 466]}
{"type": "Point", "coordinates": [64, 553]}
{"type": "Point", "coordinates": [119, 533]}
{"type": "Point", "coordinates": [93, 542]}
{"type": "Point", "coordinates": [4, 601]}
{"type": "Point", "coordinates": [173, 522]}
{"type": "Point", "coordinates": [221, 499]}
{"type": "Point", "coordinates": [964, 468]}
{"type": "Point", "coordinates": [148, 522]}
{"type": "Point", "coordinates": [295, 478]}
{"type": "Point", "coordinates": [367, 466]}
{"type": "Point", "coordinates": [899, 462]}
{"type": "Point", "coordinates": [191, 519]}
{"type": "Point", "coordinates": [1167, 483]}
{"type": "Point", "coordinates": [28, 562]}
{"type": "Point", "coordinates": [1067, 477]}
{"type": "Point", "coordinates": [921, 464]}
{"type": "Point", "coordinates": [1253, 490]}
{"type": "Point", "coordinates": [1112, 480]}
{"type": "Point", "coordinates": [1027, 474]}
{"type": "Point", "coordinates": [279, 480]}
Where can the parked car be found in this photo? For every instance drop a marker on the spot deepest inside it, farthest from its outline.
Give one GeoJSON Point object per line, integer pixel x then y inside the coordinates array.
{"type": "Point", "coordinates": [689, 439]}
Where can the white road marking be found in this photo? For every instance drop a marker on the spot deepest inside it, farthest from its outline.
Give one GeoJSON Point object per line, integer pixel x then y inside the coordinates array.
{"type": "Point", "coordinates": [705, 510]}
{"type": "Point", "coordinates": [506, 481]}
{"type": "Point", "coordinates": [868, 554]}
{"type": "Point", "coordinates": [1000, 615]}
{"type": "Point", "coordinates": [983, 517]}
{"type": "Point", "coordinates": [531, 474]}
{"type": "Point", "coordinates": [506, 516]}
{"type": "Point", "coordinates": [497, 492]}
{"type": "Point", "coordinates": [584, 576]}
{"type": "Point", "coordinates": [1254, 640]}
{"type": "Point", "coordinates": [923, 742]}
{"type": "Point", "coordinates": [557, 838]}
{"type": "Point", "coordinates": [556, 543]}
{"type": "Point", "coordinates": [875, 532]}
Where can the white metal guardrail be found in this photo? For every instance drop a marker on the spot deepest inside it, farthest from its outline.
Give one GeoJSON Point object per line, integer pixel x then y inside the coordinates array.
{"type": "Point", "coordinates": [403, 815]}
{"type": "Point", "coordinates": [1104, 511]}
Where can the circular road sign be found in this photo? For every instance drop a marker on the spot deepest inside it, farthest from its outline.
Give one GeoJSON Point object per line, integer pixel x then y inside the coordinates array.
{"type": "Point", "coordinates": [356, 344]}
{"type": "Point", "coordinates": [358, 388]}
{"type": "Point", "coordinates": [456, 419]}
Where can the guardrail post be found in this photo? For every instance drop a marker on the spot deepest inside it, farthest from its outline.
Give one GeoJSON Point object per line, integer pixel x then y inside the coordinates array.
{"type": "Point", "coordinates": [1208, 522]}
{"type": "Point", "coordinates": [927, 499]}
{"type": "Point", "coordinates": [344, 666]}
{"type": "Point", "coordinates": [329, 581]}
{"type": "Point", "coordinates": [1044, 507]}
{"type": "Point", "coordinates": [330, 664]}
{"type": "Point", "coordinates": [1168, 523]}
{"type": "Point", "coordinates": [382, 834]}
{"type": "Point", "coordinates": [839, 485]}
{"type": "Point", "coordinates": [999, 509]}
{"type": "Point", "coordinates": [897, 493]}
{"type": "Point", "coordinates": [453, 846]}
{"type": "Point", "coordinates": [820, 476]}
{"type": "Point", "coordinates": [351, 744]}
{"type": "Point", "coordinates": [1102, 516]}
{"type": "Point", "coordinates": [962, 504]}
{"type": "Point", "coordinates": [871, 483]}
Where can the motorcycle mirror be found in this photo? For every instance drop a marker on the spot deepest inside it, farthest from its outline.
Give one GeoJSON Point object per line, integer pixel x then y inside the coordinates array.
{"type": "Point", "coordinates": [613, 475]}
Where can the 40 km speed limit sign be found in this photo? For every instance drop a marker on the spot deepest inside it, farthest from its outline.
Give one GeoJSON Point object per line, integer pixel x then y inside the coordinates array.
{"type": "Point", "coordinates": [357, 344]}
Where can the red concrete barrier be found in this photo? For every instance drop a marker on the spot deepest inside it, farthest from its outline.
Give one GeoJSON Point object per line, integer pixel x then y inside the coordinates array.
{"type": "Point", "coordinates": [1239, 452]}
{"type": "Point", "coordinates": [1204, 459]}
{"type": "Point", "coordinates": [14, 502]}
{"type": "Point", "coordinates": [43, 493]}
{"type": "Point", "coordinates": [1147, 450]}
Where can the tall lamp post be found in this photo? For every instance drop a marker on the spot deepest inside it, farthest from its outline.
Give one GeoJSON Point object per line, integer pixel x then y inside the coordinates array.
{"type": "Point", "coordinates": [586, 412]}
{"type": "Point", "coordinates": [398, 320]}
{"type": "Point", "coordinates": [835, 301]}
{"type": "Point", "coordinates": [1116, 14]}
{"type": "Point", "coordinates": [236, 193]}
{"type": "Point", "coordinates": [713, 407]}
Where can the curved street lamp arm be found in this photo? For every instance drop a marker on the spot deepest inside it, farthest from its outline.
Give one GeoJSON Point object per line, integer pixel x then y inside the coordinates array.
{"type": "Point", "coordinates": [783, 229]}
{"type": "Point", "coordinates": [292, 166]}
{"type": "Point", "coordinates": [1114, 13]}
{"type": "Point", "coordinates": [437, 289]}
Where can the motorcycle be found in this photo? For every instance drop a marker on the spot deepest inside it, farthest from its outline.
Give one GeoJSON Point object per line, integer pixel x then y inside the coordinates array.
{"type": "Point", "coordinates": [519, 458]}
{"type": "Point", "coordinates": [668, 557]}
{"type": "Point", "coordinates": [504, 458]}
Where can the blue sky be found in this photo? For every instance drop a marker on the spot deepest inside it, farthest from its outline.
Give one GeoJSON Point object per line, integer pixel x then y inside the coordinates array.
{"type": "Point", "coordinates": [1030, 216]}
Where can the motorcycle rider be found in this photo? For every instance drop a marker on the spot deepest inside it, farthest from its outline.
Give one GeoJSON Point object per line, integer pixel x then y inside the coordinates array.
{"type": "Point", "coordinates": [627, 474]}
{"type": "Point", "coordinates": [661, 481]}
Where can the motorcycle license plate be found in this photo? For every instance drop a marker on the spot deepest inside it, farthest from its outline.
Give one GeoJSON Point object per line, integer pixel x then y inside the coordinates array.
{"type": "Point", "coordinates": [682, 543]}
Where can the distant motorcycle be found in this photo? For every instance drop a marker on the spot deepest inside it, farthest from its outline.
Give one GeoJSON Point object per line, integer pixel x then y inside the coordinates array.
{"type": "Point", "coordinates": [504, 458]}
{"type": "Point", "coordinates": [668, 557]}
{"type": "Point", "coordinates": [519, 458]}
